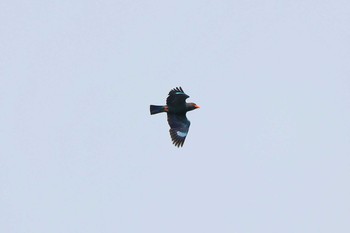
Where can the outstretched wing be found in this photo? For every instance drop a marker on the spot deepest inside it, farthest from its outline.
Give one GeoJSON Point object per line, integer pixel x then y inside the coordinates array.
{"type": "Point", "coordinates": [176, 97]}
{"type": "Point", "coordinates": [179, 126]}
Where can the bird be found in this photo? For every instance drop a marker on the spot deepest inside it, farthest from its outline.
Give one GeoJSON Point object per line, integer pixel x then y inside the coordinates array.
{"type": "Point", "coordinates": [176, 108]}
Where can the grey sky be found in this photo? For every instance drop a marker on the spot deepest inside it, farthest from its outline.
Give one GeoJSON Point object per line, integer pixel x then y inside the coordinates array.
{"type": "Point", "coordinates": [267, 152]}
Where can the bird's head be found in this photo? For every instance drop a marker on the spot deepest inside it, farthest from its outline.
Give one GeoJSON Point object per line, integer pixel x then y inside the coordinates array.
{"type": "Point", "coordinates": [191, 106]}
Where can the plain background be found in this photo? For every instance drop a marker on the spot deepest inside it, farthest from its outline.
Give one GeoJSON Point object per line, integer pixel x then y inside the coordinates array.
{"type": "Point", "coordinates": [269, 150]}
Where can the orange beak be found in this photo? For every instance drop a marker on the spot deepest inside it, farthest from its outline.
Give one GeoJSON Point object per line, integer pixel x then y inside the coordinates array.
{"type": "Point", "coordinates": [196, 106]}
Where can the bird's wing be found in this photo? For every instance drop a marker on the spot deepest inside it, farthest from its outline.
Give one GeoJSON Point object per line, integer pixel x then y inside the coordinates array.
{"type": "Point", "coordinates": [176, 97]}
{"type": "Point", "coordinates": [179, 126]}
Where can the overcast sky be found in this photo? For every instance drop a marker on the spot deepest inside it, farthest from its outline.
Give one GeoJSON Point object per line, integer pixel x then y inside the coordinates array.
{"type": "Point", "coordinates": [267, 152]}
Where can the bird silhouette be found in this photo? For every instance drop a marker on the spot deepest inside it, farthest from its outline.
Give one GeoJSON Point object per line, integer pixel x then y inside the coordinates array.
{"type": "Point", "coordinates": [176, 108]}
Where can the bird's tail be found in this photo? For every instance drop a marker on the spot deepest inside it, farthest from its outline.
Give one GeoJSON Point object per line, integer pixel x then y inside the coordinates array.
{"type": "Point", "coordinates": [154, 109]}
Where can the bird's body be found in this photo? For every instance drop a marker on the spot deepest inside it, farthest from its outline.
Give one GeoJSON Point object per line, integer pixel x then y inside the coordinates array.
{"type": "Point", "coordinates": [176, 109]}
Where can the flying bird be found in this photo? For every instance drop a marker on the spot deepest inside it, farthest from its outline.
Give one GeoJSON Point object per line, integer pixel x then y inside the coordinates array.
{"type": "Point", "coordinates": [176, 108]}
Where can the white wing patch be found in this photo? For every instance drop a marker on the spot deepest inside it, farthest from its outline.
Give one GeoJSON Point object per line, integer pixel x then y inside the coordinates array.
{"type": "Point", "coordinates": [181, 134]}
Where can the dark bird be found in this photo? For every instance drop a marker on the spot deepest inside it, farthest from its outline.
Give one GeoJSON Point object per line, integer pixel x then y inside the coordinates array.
{"type": "Point", "coordinates": [176, 107]}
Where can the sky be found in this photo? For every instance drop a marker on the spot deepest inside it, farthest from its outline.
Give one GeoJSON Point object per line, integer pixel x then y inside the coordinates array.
{"type": "Point", "coordinates": [268, 151]}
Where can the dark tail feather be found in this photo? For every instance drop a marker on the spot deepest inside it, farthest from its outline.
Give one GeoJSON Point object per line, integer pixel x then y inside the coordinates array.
{"type": "Point", "coordinates": [156, 109]}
